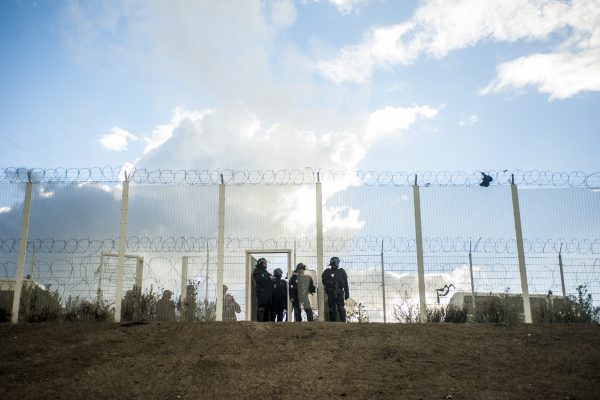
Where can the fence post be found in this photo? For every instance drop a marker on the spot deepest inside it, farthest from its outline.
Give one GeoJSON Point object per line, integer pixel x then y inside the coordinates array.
{"type": "Point", "coordinates": [183, 293]}
{"type": "Point", "coordinates": [562, 274]}
{"type": "Point", "coordinates": [472, 281]}
{"type": "Point", "coordinates": [520, 251]}
{"type": "Point", "coordinates": [122, 243]}
{"type": "Point", "coordinates": [139, 276]}
{"type": "Point", "coordinates": [420, 263]}
{"type": "Point", "coordinates": [220, 250]}
{"type": "Point", "coordinates": [289, 276]}
{"type": "Point", "coordinates": [206, 278]}
{"type": "Point", "coordinates": [100, 274]}
{"type": "Point", "coordinates": [32, 269]}
{"type": "Point", "coordinates": [383, 284]}
{"type": "Point", "coordinates": [14, 318]}
{"type": "Point", "coordinates": [320, 294]}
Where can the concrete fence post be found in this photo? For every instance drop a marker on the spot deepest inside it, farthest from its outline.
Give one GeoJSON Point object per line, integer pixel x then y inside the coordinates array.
{"type": "Point", "coordinates": [420, 263]}
{"type": "Point", "coordinates": [472, 280]}
{"type": "Point", "coordinates": [14, 318]}
{"type": "Point", "coordinates": [319, 204]}
{"type": "Point", "coordinates": [520, 251]}
{"type": "Point", "coordinates": [562, 273]}
{"type": "Point", "coordinates": [220, 250]}
{"type": "Point", "coordinates": [383, 284]}
{"type": "Point", "coordinates": [183, 293]}
{"type": "Point", "coordinates": [122, 245]}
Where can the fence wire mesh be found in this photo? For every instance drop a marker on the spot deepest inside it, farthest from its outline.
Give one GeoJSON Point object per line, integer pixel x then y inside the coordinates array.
{"type": "Point", "coordinates": [468, 232]}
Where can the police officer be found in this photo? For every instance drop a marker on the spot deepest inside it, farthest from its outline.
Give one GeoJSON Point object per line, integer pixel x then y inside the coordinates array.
{"type": "Point", "coordinates": [335, 282]}
{"type": "Point", "coordinates": [279, 296]}
{"type": "Point", "coordinates": [264, 288]}
{"type": "Point", "coordinates": [301, 285]}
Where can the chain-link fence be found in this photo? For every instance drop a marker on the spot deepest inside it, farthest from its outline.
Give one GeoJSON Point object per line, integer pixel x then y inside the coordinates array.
{"type": "Point", "coordinates": [186, 234]}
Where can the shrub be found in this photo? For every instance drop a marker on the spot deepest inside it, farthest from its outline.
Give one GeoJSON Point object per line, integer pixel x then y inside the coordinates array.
{"type": "Point", "coordinates": [435, 314]}
{"type": "Point", "coordinates": [39, 305]}
{"type": "Point", "coordinates": [77, 309]}
{"type": "Point", "coordinates": [502, 309]}
{"type": "Point", "coordinates": [146, 309]}
{"type": "Point", "coordinates": [407, 312]}
{"type": "Point", "coordinates": [207, 310]}
{"type": "Point", "coordinates": [582, 307]}
{"type": "Point", "coordinates": [358, 314]}
{"type": "Point", "coordinates": [455, 314]}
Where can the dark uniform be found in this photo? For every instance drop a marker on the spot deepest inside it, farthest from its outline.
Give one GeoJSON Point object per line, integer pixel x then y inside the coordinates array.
{"type": "Point", "coordinates": [279, 296]}
{"type": "Point", "coordinates": [300, 286]}
{"type": "Point", "coordinates": [335, 282]}
{"type": "Point", "coordinates": [264, 289]}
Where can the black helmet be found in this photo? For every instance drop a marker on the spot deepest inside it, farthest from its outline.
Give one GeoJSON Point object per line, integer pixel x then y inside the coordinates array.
{"type": "Point", "coordinates": [260, 261]}
{"type": "Point", "coordinates": [278, 273]}
{"type": "Point", "coordinates": [334, 259]}
{"type": "Point", "coordinates": [300, 266]}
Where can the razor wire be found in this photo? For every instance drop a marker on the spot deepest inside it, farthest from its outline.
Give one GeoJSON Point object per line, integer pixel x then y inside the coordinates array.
{"type": "Point", "coordinates": [208, 177]}
{"type": "Point", "coordinates": [489, 245]}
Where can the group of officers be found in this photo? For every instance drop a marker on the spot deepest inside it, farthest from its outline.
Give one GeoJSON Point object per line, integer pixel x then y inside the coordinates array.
{"type": "Point", "coordinates": [272, 291]}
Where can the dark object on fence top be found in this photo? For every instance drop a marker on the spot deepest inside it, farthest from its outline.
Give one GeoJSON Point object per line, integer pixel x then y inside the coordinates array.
{"type": "Point", "coordinates": [485, 180]}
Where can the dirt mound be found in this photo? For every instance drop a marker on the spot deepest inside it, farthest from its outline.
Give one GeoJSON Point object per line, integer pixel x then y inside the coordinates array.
{"type": "Point", "coordinates": [248, 360]}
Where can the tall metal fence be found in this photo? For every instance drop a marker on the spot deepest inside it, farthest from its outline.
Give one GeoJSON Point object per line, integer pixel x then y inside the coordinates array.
{"type": "Point", "coordinates": [406, 239]}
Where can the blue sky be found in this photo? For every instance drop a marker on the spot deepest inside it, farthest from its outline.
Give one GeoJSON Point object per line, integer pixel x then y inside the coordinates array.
{"type": "Point", "coordinates": [367, 84]}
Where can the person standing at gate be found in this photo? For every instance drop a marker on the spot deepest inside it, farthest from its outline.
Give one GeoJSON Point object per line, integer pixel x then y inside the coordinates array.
{"type": "Point", "coordinates": [230, 306]}
{"type": "Point", "coordinates": [335, 282]}
{"type": "Point", "coordinates": [279, 296]}
{"type": "Point", "coordinates": [301, 285]}
{"type": "Point", "coordinates": [264, 288]}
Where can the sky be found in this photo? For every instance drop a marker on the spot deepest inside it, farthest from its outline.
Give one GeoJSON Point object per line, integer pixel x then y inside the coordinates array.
{"type": "Point", "coordinates": [341, 84]}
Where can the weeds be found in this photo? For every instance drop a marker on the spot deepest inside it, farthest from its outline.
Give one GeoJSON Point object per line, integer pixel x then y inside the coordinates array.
{"type": "Point", "coordinates": [77, 309]}
{"type": "Point", "coordinates": [358, 314]}
{"type": "Point", "coordinates": [574, 309]}
{"type": "Point", "coordinates": [39, 305]}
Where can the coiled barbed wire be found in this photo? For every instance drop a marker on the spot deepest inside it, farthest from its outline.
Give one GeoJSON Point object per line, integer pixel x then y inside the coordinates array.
{"type": "Point", "coordinates": [206, 177]}
{"type": "Point", "coordinates": [371, 244]}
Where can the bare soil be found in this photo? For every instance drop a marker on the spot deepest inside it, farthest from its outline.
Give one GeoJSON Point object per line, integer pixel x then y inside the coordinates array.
{"type": "Point", "coordinates": [249, 360]}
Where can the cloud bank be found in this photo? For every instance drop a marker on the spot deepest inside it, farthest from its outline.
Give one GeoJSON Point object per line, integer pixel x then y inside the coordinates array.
{"type": "Point", "coordinates": [570, 29]}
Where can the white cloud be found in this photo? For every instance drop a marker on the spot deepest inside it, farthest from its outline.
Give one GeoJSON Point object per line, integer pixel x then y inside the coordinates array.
{"type": "Point", "coordinates": [346, 7]}
{"type": "Point", "coordinates": [440, 26]}
{"type": "Point", "coordinates": [117, 139]}
{"type": "Point", "coordinates": [391, 120]}
{"type": "Point", "coordinates": [5, 209]}
{"type": "Point", "coordinates": [283, 13]}
{"type": "Point", "coordinates": [236, 138]}
{"type": "Point", "coordinates": [470, 120]}
{"type": "Point", "coordinates": [561, 75]}
{"type": "Point", "coordinates": [266, 113]}
{"type": "Point", "coordinates": [43, 193]}
{"type": "Point", "coordinates": [381, 48]}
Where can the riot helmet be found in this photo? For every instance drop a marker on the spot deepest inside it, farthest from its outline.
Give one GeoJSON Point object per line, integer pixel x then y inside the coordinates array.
{"type": "Point", "coordinates": [334, 262]}
{"type": "Point", "coordinates": [261, 263]}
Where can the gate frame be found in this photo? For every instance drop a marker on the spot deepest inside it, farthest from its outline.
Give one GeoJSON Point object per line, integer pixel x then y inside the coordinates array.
{"type": "Point", "coordinates": [249, 267]}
